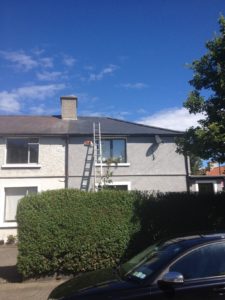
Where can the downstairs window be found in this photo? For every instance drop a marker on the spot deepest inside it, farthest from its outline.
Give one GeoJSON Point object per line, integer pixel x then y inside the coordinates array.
{"type": "Point", "coordinates": [12, 198]}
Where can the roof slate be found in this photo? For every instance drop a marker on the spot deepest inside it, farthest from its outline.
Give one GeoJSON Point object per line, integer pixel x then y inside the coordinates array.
{"type": "Point", "coordinates": [54, 125]}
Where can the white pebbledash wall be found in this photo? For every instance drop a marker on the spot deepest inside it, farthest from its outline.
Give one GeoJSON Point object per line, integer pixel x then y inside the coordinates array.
{"type": "Point", "coordinates": [149, 166]}
{"type": "Point", "coordinates": [48, 175]}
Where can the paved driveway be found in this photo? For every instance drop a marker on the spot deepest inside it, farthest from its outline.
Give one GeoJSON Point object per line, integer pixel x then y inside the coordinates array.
{"type": "Point", "coordinates": [28, 290]}
{"type": "Point", "coordinates": [11, 287]}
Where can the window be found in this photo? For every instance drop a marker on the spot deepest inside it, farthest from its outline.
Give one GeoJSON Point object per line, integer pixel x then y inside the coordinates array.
{"type": "Point", "coordinates": [203, 262]}
{"type": "Point", "coordinates": [116, 187]}
{"type": "Point", "coordinates": [113, 150]}
{"type": "Point", "coordinates": [151, 260]}
{"type": "Point", "coordinates": [22, 150]}
{"type": "Point", "coordinates": [206, 188]}
{"type": "Point", "coordinates": [12, 197]}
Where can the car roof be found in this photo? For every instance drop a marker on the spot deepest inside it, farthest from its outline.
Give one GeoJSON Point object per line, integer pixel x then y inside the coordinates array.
{"type": "Point", "coordinates": [187, 242]}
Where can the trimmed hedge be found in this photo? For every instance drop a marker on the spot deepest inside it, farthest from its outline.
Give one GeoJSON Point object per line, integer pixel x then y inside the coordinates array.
{"type": "Point", "coordinates": [68, 231]}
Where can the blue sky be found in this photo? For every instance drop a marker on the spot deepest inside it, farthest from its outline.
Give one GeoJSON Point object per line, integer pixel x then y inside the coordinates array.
{"type": "Point", "coordinates": [122, 58]}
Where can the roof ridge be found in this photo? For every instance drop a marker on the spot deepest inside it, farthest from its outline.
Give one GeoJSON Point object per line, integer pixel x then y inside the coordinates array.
{"type": "Point", "coordinates": [33, 116]}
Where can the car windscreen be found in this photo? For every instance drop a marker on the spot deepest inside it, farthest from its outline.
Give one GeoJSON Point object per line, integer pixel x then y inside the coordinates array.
{"type": "Point", "coordinates": [151, 260]}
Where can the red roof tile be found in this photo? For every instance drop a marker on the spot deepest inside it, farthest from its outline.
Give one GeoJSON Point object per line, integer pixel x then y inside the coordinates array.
{"type": "Point", "coordinates": [216, 171]}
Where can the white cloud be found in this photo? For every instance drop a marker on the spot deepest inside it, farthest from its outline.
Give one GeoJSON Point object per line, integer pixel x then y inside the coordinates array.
{"type": "Point", "coordinates": [137, 85]}
{"type": "Point", "coordinates": [173, 118]}
{"type": "Point", "coordinates": [141, 111]}
{"type": "Point", "coordinates": [49, 76]}
{"type": "Point", "coordinates": [69, 61]}
{"type": "Point", "coordinates": [91, 113]}
{"type": "Point", "coordinates": [110, 112]}
{"type": "Point", "coordinates": [46, 62]}
{"type": "Point", "coordinates": [25, 62]}
{"type": "Point", "coordinates": [89, 67]}
{"type": "Point", "coordinates": [39, 91]}
{"type": "Point", "coordinates": [42, 110]}
{"type": "Point", "coordinates": [20, 60]}
{"type": "Point", "coordinates": [104, 72]}
{"type": "Point", "coordinates": [38, 51]}
{"type": "Point", "coordinates": [10, 101]}
{"type": "Point", "coordinates": [84, 97]}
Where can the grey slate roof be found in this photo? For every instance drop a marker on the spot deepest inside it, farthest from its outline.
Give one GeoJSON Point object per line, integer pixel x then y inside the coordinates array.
{"type": "Point", "coordinates": [54, 125]}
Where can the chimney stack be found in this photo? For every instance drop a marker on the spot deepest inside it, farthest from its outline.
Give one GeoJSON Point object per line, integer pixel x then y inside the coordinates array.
{"type": "Point", "coordinates": [212, 165]}
{"type": "Point", "coordinates": [68, 107]}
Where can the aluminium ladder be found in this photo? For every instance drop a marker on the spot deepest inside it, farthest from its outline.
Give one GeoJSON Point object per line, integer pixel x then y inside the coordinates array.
{"type": "Point", "coordinates": [97, 139]}
{"type": "Point", "coordinates": [85, 182]}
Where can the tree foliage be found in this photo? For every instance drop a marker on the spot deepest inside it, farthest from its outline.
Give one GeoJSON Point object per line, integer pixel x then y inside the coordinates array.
{"type": "Point", "coordinates": [207, 140]}
{"type": "Point", "coordinates": [196, 165]}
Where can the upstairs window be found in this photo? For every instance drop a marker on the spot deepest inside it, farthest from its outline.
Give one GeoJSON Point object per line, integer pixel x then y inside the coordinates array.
{"type": "Point", "coordinates": [22, 150]}
{"type": "Point", "coordinates": [113, 151]}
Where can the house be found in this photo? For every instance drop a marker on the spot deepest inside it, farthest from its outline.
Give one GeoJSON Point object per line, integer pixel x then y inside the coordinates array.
{"type": "Point", "coordinates": [207, 184]}
{"type": "Point", "coordinates": [39, 153]}
{"type": "Point", "coordinates": [216, 171]}
{"type": "Point", "coordinates": [212, 182]}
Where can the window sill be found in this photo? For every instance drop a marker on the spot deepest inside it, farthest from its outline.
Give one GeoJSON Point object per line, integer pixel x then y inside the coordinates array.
{"type": "Point", "coordinates": [8, 225]}
{"type": "Point", "coordinates": [21, 166]}
{"type": "Point", "coordinates": [113, 165]}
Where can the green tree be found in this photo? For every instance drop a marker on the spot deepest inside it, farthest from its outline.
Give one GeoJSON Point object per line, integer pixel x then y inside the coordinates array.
{"type": "Point", "coordinates": [196, 165]}
{"type": "Point", "coordinates": [207, 140]}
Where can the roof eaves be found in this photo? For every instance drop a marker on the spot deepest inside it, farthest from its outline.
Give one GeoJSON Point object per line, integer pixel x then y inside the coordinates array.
{"type": "Point", "coordinates": [206, 176]}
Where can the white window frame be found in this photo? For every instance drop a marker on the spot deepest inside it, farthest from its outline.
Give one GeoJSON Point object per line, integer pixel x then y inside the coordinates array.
{"type": "Point", "coordinates": [21, 165]}
{"type": "Point", "coordinates": [214, 182]}
{"type": "Point", "coordinates": [113, 165]}
{"type": "Point", "coordinates": [127, 183]}
{"type": "Point", "coordinates": [122, 164]}
{"type": "Point", "coordinates": [3, 222]}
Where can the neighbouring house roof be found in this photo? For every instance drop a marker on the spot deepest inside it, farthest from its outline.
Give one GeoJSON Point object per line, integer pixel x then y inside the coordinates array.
{"type": "Point", "coordinates": [216, 171]}
{"type": "Point", "coordinates": [205, 177]}
{"type": "Point", "coordinates": [54, 125]}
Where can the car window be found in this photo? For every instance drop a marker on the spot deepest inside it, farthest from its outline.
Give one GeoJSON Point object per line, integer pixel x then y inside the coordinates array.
{"type": "Point", "coordinates": [152, 260]}
{"type": "Point", "coordinates": [205, 261]}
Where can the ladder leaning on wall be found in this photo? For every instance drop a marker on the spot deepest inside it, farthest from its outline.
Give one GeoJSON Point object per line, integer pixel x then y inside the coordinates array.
{"type": "Point", "coordinates": [97, 141]}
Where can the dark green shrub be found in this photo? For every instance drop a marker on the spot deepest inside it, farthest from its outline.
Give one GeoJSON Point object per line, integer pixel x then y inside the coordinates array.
{"type": "Point", "coordinates": [68, 231]}
{"type": "Point", "coordinates": [11, 239]}
{"type": "Point", "coordinates": [176, 214]}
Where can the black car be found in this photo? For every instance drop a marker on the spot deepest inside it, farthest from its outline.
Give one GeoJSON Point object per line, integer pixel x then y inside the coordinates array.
{"type": "Point", "coordinates": [190, 267]}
